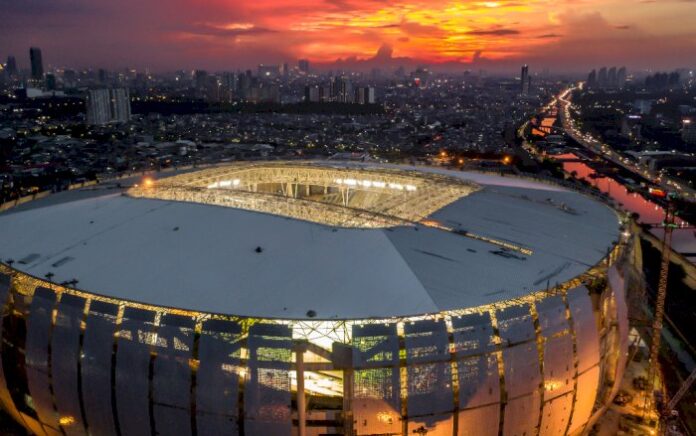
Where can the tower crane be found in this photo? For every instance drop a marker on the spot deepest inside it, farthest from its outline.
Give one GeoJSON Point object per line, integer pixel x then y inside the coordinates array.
{"type": "Point", "coordinates": [669, 225]}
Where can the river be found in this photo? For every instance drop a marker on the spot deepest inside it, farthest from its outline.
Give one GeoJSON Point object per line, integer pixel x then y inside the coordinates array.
{"type": "Point", "coordinates": [683, 240]}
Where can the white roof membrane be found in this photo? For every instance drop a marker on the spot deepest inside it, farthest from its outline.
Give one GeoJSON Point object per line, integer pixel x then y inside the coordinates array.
{"type": "Point", "coordinates": [204, 258]}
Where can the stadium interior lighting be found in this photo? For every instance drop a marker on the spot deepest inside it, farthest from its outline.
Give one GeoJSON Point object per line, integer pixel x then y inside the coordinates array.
{"type": "Point", "coordinates": [342, 197]}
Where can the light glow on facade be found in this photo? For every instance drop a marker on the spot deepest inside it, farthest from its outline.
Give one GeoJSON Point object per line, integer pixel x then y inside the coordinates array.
{"type": "Point", "coordinates": [545, 362]}
{"type": "Point", "coordinates": [342, 197]}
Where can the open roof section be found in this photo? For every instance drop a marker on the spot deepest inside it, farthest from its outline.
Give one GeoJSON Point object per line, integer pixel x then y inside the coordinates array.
{"type": "Point", "coordinates": [330, 195]}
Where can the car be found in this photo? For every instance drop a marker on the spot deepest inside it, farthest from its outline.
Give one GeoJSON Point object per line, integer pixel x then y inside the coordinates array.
{"type": "Point", "coordinates": [622, 398]}
{"type": "Point", "coordinates": [640, 383]}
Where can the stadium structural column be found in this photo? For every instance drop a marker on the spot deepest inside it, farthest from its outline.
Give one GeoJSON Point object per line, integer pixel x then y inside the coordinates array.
{"type": "Point", "coordinates": [300, 348]}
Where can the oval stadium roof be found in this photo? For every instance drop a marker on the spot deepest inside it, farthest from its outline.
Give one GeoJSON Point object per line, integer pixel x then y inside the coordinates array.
{"type": "Point", "coordinates": [492, 238]}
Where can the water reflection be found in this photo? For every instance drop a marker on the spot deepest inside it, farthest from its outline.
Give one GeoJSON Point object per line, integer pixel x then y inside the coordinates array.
{"type": "Point", "coordinates": [683, 240]}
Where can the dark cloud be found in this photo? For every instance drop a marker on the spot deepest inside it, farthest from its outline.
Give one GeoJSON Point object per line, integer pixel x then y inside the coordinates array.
{"type": "Point", "coordinates": [622, 27]}
{"type": "Point", "coordinates": [222, 31]}
{"type": "Point", "coordinates": [549, 36]}
{"type": "Point", "coordinates": [385, 52]}
{"type": "Point", "coordinates": [494, 32]}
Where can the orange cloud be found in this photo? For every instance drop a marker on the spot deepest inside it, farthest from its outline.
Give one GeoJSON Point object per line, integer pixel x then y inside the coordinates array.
{"type": "Point", "coordinates": [240, 33]}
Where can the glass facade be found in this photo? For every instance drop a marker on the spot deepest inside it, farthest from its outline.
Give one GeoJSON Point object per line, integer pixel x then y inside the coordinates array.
{"type": "Point", "coordinates": [74, 363]}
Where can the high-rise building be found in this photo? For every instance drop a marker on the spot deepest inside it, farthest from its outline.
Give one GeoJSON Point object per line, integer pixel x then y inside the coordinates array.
{"type": "Point", "coordinates": [365, 95]}
{"type": "Point", "coordinates": [602, 78]}
{"type": "Point", "coordinates": [11, 66]}
{"type": "Point", "coordinates": [621, 78]}
{"type": "Point", "coordinates": [245, 82]}
{"type": "Point", "coordinates": [213, 89]}
{"type": "Point", "coordinates": [688, 132]}
{"type": "Point", "coordinates": [141, 82]}
{"type": "Point", "coordinates": [50, 81]}
{"type": "Point", "coordinates": [99, 106]}
{"type": "Point", "coordinates": [312, 94]}
{"type": "Point", "coordinates": [200, 78]}
{"type": "Point", "coordinates": [229, 79]}
{"type": "Point", "coordinates": [264, 93]}
{"type": "Point", "coordinates": [611, 78]}
{"type": "Point", "coordinates": [103, 76]}
{"type": "Point", "coordinates": [325, 93]}
{"type": "Point", "coordinates": [524, 79]}
{"type": "Point", "coordinates": [592, 79]}
{"type": "Point", "coordinates": [303, 65]}
{"type": "Point", "coordinates": [607, 78]}
{"type": "Point", "coordinates": [108, 106]}
{"type": "Point", "coordinates": [342, 90]}
{"type": "Point", "coordinates": [69, 79]}
{"type": "Point", "coordinates": [37, 71]}
{"type": "Point", "coordinates": [229, 86]}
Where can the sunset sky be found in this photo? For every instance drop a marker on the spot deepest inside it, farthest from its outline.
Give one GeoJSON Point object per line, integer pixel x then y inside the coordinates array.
{"type": "Point", "coordinates": [563, 35]}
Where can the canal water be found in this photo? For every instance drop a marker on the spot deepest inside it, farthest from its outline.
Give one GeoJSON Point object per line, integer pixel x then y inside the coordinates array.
{"type": "Point", "coordinates": [683, 240]}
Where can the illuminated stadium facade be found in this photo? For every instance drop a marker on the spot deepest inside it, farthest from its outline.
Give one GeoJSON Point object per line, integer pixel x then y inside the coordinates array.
{"type": "Point", "coordinates": [312, 298]}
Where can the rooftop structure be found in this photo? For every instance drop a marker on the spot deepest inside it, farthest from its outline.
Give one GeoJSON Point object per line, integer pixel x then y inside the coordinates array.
{"type": "Point", "coordinates": [423, 242]}
{"type": "Point", "coordinates": [311, 298]}
{"type": "Point", "coordinates": [341, 197]}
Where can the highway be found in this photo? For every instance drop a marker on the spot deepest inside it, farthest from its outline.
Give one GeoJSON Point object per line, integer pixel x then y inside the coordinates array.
{"type": "Point", "coordinates": [610, 154]}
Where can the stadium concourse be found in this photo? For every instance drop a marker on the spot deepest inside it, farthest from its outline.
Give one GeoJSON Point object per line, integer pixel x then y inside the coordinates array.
{"type": "Point", "coordinates": [312, 298]}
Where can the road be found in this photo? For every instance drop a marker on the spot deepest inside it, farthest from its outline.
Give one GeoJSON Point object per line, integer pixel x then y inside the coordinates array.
{"type": "Point", "coordinates": [611, 155]}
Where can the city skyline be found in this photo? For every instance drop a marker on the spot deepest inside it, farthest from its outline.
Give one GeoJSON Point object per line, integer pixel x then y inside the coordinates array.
{"type": "Point", "coordinates": [352, 34]}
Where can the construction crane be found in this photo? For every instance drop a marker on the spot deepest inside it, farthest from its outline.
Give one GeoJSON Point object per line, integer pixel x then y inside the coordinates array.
{"type": "Point", "coordinates": [668, 418]}
{"type": "Point", "coordinates": [682, 390]}
{"type": "Point", "coordinates": [669, 224]}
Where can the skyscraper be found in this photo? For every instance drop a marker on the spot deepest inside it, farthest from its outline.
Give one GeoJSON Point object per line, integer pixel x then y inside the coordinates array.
{"type": "Point", "coordinates": [592, 79]}
{"type": "Point", "coordinates": [69, 79]}
{"type": "Point", "coordinates": [103, 76]}
{"type": "Point", "coordinates": [312, 94]}
{"type": "Point", "coordinates": [108, 106]}
{"type": "Point", "coordinates": [621, 78]}
{"type": "Point", "coordinates": [229, 86]}
{"type": "Point", "coordinates": [611, 78]}
{"type": "Point", "coordinates": [524, 79]}
{"type": "Point", "coordinates": [11, 66]}
{"type": "Point", "coordinates": [365, 95]}
{"type": "Point", "coordinates": [602, 78]}
{"type": "Point", "coordinates": [37, 70]}
{"type": "Point", "coordinates": [50, 81]}
{"type": "Point", "coordinates": [342, 90]}
{"type": "Point", "coordinates": [200, 78]}
{"type": "Point", "coordinates": [303, 65]}
{"type": "Point", "coordinates": [213, 89]}
{"type": "Point", "coordinates": [244, 83]}
{"type": "Point", "coordinates": [688, 133]}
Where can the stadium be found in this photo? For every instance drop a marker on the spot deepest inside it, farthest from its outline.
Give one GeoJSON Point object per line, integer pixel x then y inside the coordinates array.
{"type": "Point", "coordinates": [312, 298]}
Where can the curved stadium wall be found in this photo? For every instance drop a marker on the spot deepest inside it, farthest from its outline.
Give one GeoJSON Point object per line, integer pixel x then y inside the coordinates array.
{"type": "Point", "coordinates": [78, 363]}
{"type": "Point", "coordinates": [74, 362]}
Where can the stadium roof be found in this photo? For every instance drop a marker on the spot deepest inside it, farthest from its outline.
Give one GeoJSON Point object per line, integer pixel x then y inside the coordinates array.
{"type": "Point", "coordinates": [234, 261]}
